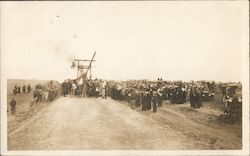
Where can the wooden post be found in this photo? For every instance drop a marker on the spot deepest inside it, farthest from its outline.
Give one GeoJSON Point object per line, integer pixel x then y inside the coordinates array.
{"type": "Point", "coordinates": [77, 68]}
{"type": "Point", "coordinates": [90, 76]}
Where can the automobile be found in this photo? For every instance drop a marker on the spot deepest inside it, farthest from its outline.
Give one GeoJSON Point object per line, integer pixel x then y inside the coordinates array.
{"type": "Point", "coordinates": [231, 91]}
{"type": "Point", "coordinates": [233, 111]}
{"type": "Point", "coordinates": [207, 94]}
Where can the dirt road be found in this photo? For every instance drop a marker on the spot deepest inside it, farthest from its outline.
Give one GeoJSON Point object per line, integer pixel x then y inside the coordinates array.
{"type": "Point", "coordinates": [95, 123]}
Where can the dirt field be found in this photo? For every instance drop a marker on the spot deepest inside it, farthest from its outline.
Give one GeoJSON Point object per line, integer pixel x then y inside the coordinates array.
{"type": "Point", "coordinates": [96, 123]}
{"type": "Point", "coordinates": [23, 112]}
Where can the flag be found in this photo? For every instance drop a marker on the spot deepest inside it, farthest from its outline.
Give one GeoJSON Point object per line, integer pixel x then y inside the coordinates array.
{"type": "Point", "coordinates": [73, 65]}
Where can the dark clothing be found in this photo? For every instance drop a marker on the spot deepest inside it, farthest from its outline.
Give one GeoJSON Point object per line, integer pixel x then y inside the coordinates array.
{"type": "Point", "coordinates": [159, 101]}
{"type": "Point", "coordinates": [19, 89]}
{"type": "Point", "coordinates": [64, 88]}
{"type": "Point", "coordinates": [198, 100]}
{"type": "Point", "coordinates": [15, 91]}
{"type": "Point", "coordinates": [148, 102]}
{"type": "Point", "coordinates": [137, 100]}
{"type": "Point", "coordinates": [13, 106]}
{"type": "Point", "coordinates": [154, 100]}
{"type": "Point", "coordinates": [179, 97]}
{"type": "Point", "coordinates": [69, 87]}
{"type": "Point", "coordinates": [154, 106]}
{"type": "Point", "coordinates": [24, 89]}
{"type": "Point", "coordinates": [195, 99]}
{"type": "Point", "coordinates": [106, 92]}
{"type": "Point", "coordinates": [144, 106]}
{"type": "Point", "coordinates": [184, 97]}
{"type": "Point", "coordinates": [172, 96]}
{"type": "Point", "coordinates": [29, 88]}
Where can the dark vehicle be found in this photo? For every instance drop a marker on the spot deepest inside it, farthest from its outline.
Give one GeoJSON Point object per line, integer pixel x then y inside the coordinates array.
{"type": "Point", "coordinates": [233, 110]}
{"type": "Point", "coordinates": [233, 103]}
{"type": "Point", "coordinates": [207, 94]}
{"type": "Point", "coordinates": [230, 91]}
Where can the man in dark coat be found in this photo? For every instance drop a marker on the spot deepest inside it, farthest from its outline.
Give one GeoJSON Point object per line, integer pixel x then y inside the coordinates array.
{"type": "Point", "coordinates": [154, 101]}
{"type": "Point", "coordinates": [159, 97]}
{"type": "Point", "coordinates": [69, 87]}
{"type": "Point", "coordinates": [143, 102]}
{"type": "Point", "coordinates": [15, 90]}
{"type": "Point", "coordinates": [198, 99]}
{"type": "Point", "coordinates": [172, 95]}
{"type": "Point", "coordinates": [178, 95]}
{"type": "Point", "coordinates": [24, 89]}
{"type": "Point", "coordinates": [137, 99]}
{"type": "Point", "coordinates": [148, 101]}
{"type": "Point", "coordinates": [184, 96]}
{"type": "Point", "coordinates": [29, 88]}
{"type": "Point", "coordinates": [13, 106]}
{"type": "Point", "coordinates": [64, 88]}
{"type": "Point", "coordinates": [19, 89]}
{"type": "Point", "coordinates": [193, 98]}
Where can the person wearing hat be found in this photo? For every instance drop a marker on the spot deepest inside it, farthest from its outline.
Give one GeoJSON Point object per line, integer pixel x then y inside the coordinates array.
{"type": "Point", "coordinates": [24, 89]}
{"type": "Point", "coordinates": [199, 101]}
{"type": "Point", "coordinates": [193, 97]}
{"type": "Point", "coordinates": [154, 101]}
{"type": "Point", "coordinates": [64, 88]}
{"type": "Point", "coordinates": [144, 100]}
{"type": "Point", "coordinates": [13, 106]}
{"type": "Point", "coordinates": [160, 97]}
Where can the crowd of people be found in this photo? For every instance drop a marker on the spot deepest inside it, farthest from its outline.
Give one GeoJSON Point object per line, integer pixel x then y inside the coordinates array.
{"type": "Point", "coordinates": [142, 93]}
{"type": "Point", "coordinates": [84, 88]}
{"type": "Point", "coordinates": [22, 89]}
{"type": "Point", "coordinates": [46, 92]}
{"type": "Point", "coordinates": [149, 94]}
{"type": "Point", "coordinates": [18, 90]}
{"type": "Point", "coordinates": [139, 93]}
{"type": "Point", "coordinates": [41, 93]}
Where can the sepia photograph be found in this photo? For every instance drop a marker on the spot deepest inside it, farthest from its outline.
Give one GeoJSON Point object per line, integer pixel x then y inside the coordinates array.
{"type": "Point", "coordinates": [124, 77]}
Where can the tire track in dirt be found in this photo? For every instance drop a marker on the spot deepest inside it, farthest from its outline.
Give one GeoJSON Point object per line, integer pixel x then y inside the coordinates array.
{"type": "Point", "coordinates": [200, 135]}
{"type": "Point", "coordinates": [145, 132]}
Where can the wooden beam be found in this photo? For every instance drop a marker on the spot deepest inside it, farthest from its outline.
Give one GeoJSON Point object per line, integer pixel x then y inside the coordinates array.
{"type": "Point", "coordinates": [84, 60]}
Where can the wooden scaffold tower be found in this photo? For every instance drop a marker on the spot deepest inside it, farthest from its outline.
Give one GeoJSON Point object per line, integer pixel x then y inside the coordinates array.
{"type": "Point", "coordinates": [83, 67]}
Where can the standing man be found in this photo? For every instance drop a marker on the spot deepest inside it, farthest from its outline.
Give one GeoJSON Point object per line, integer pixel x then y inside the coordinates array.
{"type": "Point", "coordinates": [198, 99]}
{"type": "Point", "coordinates": [104, 89]}
{"type": "Point", "coordinates": [148, 100]}
{"type": "Point", "coordinates": [64, 88]}
{"type": "Point", "coordinates": [192, 97]}
{"type": "Point", "coordinates": [15, 90]}
{"type": "Point", "coordinates": [29, 88]}
{"type": "Point", "coordinates": [143, 108]}
{"type": "Point", "coordinates": [184, 95]}
{"type": "Point", "coordinates": [84, 88]}
{"type": "Point", "coordinates": [69, 86]}
{"type": "Point", "coordinates": [73, 89]}
{"type": "Point", "coordinates": [154, 101]}
{"type": "Point", "coordinates": [159, 96]}
{"type": "Point", "coordinates": [18, 89]}
{"type": "Point", "coordinates": [13, 106]}
{"type": "Point", "coordinates": [24, 88]}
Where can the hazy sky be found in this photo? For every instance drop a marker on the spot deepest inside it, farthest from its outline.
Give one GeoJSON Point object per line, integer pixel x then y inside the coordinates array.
{"type": "Point", "coordinates": [133, 40]}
